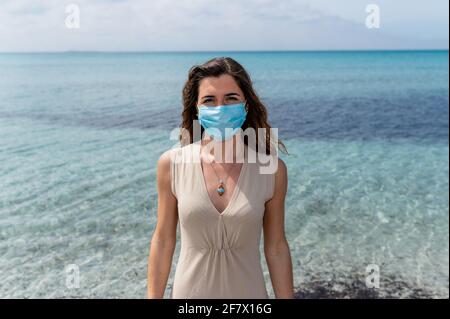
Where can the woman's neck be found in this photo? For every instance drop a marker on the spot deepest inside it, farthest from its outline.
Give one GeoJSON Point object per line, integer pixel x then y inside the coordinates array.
{"type": "Point", "coordinates": [229, 151]}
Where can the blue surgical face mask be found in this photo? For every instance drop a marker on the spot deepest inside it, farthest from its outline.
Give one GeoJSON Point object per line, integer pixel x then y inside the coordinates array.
{"type": "Point", "coordinates": [215, 119]}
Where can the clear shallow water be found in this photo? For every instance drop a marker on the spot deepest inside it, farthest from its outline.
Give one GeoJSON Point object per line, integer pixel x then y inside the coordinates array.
{"type": "Point", "coordinates": [368, 171]}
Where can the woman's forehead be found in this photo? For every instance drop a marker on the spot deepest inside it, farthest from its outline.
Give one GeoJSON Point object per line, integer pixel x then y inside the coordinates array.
{"type": "Point", "coordinates": [219, 85]}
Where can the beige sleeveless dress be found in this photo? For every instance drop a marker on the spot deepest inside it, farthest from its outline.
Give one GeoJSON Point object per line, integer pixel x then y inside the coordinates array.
{"type": "Point", "coordinates": [219, 252]}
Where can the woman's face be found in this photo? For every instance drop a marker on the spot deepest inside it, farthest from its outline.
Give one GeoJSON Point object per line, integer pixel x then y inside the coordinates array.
{"type": "Point", "coordinates": [221, 90]}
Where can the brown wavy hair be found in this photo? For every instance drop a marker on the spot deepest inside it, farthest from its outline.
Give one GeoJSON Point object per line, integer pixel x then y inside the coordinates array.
{"type": "Point", "coordinates": [257, 112]}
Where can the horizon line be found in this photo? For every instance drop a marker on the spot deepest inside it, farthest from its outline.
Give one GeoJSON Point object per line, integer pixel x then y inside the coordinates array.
{"type": "Point", "coordinates": [228, 51]}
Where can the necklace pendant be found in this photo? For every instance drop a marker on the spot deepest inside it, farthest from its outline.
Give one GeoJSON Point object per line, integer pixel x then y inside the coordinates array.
{"type": "Point", "coordinates": [220, 189]}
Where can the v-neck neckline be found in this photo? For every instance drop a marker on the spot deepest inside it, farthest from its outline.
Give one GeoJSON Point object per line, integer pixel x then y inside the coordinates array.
{"type": "Point", "coordinates": [236, 189]}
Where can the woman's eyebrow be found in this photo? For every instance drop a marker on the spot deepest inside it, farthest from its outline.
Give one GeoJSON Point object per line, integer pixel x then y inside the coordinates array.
{"type": "Point", "coordinates": [228, 94]}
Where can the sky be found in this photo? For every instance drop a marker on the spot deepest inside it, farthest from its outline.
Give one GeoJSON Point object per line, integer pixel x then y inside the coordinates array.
{"type": "Point", "coordinates": [221, 25]}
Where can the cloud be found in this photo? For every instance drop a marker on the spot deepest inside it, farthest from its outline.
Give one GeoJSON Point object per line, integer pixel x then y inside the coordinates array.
{"type": "Point", "coordinates": [121, 25]}
{"type": "Point", "coordinates": [33, 10]}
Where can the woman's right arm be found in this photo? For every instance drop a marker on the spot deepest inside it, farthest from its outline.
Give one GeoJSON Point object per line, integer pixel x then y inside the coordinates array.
{"type": "Point", "coordinates": [163, 241]}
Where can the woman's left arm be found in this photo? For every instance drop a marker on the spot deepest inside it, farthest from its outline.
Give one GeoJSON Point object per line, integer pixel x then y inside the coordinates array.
{"type": "Point", "coordinates": [276, 248]}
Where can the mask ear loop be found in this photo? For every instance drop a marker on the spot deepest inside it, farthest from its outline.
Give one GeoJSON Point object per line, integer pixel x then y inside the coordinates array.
{"type": "Point", "coordinates": [246, 106]}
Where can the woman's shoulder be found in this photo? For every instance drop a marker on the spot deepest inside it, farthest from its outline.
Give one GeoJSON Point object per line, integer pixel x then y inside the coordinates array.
{"type": "Point", "coordinates": [281, 167]}
{"type": "Point", "coordinates": [178, 154]}
{"type": "Point", "coordinates": [270, 164]}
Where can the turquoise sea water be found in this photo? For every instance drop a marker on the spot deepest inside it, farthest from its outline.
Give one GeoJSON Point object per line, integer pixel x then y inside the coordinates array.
{"type": "Point", "coordinates": [367, 133]}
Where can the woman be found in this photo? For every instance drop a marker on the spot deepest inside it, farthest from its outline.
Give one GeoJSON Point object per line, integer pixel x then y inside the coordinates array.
{"type": "Point", "coordinates": [222, 197]}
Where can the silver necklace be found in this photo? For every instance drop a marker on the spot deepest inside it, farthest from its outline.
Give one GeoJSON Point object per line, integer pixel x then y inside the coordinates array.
{"type": "Point", "coordinates": [221, 183]}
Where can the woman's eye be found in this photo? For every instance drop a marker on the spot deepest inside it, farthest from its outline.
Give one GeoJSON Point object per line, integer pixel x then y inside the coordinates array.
{"type": "Point", "coordinates": [231, 100]}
